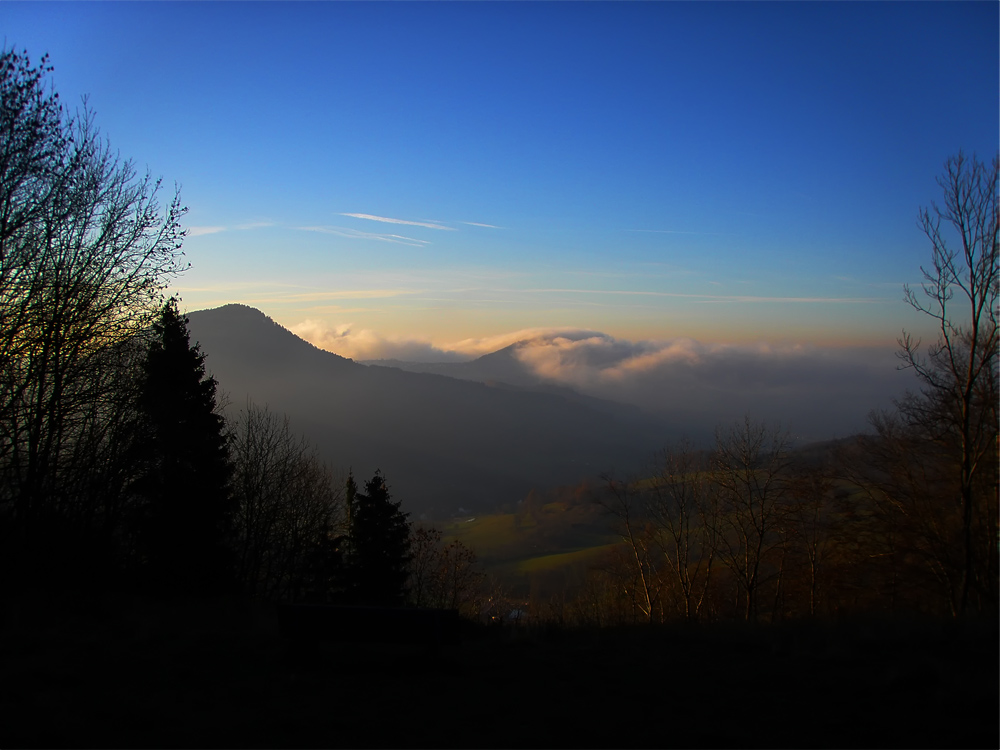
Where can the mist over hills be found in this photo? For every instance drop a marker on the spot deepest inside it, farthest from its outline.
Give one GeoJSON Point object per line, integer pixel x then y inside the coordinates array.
{"type": "Point", "coordinates": [504, 369]}
{"type": "Point", "coordinates": [442, 442]}
{"type": "Point", "coordinates": [816, 393]}
{"type": "Point", "coordinates": [500, 366]}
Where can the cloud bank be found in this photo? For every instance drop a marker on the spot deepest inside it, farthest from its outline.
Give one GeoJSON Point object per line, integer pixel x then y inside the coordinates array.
{"type": "Point", "coordinates": [363, 344]}
{"type": "Point", "coordinates": [814, 392]}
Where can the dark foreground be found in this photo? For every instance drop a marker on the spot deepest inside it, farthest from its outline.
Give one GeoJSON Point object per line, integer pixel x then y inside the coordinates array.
{"type": "Point", "coordinates": [202, 676]}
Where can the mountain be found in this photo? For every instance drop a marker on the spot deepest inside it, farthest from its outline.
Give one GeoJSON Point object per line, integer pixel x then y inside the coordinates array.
{"type": "Point", "coordinates": [501, 366]}
{"type": "Point", "coordinates": [442, 442]}
{"type": "Point", "coordinates": [504, 369]}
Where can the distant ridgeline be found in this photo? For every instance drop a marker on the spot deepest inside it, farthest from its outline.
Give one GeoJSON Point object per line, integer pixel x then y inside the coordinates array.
{"type": "Point", "coordinates": [446, 443]}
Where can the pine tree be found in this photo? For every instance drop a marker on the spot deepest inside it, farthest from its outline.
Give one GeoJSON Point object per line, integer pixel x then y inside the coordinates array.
{"type": "Point", "coordinates": [186, 470]}
{"type": "Point", "coordinates": [379, 544]}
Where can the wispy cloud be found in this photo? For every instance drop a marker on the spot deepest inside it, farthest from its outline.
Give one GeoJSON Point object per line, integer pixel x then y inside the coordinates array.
{"type": "Point", "coordinates": [712, 297]}
{"type": "Point", "coordinates": [796, 300]}
{"type": "Point", "coordinates": [268, 294]}
{"type": "Point", "coordinates": [357, 294]}
{"type": "Point", "coordinates": [261, 293]}
{"type": "Point", "coordinates": [676, 231]}
{"type": "Point", "coordinates": [387, 220]}
{"type": "Point", "coordinates": [238, 286]}
{"type": "Point", "coordinates": [874, 284]}
{"type": "Point", "coordinates": [359, 235]}
{"type": "Point", "coordinates": [478, 224]}
{"type": "Point", "coordinates": [198, 231]}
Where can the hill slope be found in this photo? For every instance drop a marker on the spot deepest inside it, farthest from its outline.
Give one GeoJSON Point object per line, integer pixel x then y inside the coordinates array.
{"type": "Point", "coordinates": [442, 443]}
{"type": "Point", "coordinates": [503, 369]}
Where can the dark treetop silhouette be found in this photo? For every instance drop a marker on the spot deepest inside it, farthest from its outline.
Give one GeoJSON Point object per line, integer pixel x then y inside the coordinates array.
{"type": "Point", "coordinates": [185, 467]}
{"type": "Point", "coordinates": [378, 544]}
{"type": "Point", "coordinates": [85, 252]}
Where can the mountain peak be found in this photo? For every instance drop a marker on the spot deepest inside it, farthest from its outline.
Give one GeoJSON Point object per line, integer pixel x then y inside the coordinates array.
{"type": "Point", "coordinates": [240, 328]}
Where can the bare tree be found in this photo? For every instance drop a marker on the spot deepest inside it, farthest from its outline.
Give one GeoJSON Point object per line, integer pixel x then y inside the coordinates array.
{"type": "Point", "coordinates": [425, 547]}
{"type": "Point", "coordinates": [748, 468]}
{"type": "Point", "coordinates": [288, 510]}
{"type": "Point", "coordinates": [85, 253]}
{"type": "Point", "coordinates": [809, 521]}
{"type": "Point", "coordinates": [461, 579]}
{"type": "Point", "coordinates": [683, 505]}
{"type": "Point", "coordinates": [908, 532]}
{"type": "Point", "coordinates": [957, 406]}
{"type": "Point", "coordinates": [444, 575]}
{"type": "Point", "coordinates": [622, 500]}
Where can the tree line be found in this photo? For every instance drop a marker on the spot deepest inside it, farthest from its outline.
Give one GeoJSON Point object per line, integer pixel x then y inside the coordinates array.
{"type": "Point", "coordinates": [752, 530]}
{"type": "Point", "coordinates": [118, 470]}
{"type": "Point", "coordinates": [901, 519]}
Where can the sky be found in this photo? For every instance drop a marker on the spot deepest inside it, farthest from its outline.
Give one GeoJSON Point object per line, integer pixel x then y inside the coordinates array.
{"type": "Point", "coordinates": [428, 180]}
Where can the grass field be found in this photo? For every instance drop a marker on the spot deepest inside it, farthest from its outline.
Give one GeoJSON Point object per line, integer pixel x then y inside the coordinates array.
{"type": "Point", "coordinates": [530, 548]}
{"type": "Point", "coordinates": [581, 558]}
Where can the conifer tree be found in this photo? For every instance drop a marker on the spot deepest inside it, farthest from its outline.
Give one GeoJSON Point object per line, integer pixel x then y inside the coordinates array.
{"type": "Point", "coordinates": [186, 470]}
{"type": "Point", "coordinates": [379, 544]}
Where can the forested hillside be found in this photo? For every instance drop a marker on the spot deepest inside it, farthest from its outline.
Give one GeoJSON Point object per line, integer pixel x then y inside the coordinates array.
{"type": "Point", "coordinates": [450, 443]}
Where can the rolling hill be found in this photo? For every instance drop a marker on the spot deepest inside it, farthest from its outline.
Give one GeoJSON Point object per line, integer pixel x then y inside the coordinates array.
{"type": "Point", "coordinates": [442, 442]}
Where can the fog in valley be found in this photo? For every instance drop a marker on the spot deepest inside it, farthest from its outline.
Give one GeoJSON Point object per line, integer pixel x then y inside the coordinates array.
{"type": "Point", "coordinates": [442, 442]}
{"type": "Point", "coordinates": [554, 408]}
{"type": "Point", "coordinates": [816, 393]}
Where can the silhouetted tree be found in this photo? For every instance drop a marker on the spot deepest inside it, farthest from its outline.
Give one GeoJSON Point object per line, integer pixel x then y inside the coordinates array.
{"type": "Point", "coordinates": [184, 485]}
{"type": "Point", "coordinates": [461, 579]}
{"type": "Point", "coordinates": [425, 561]}
{"type": "Point", "coordinates": [443, 575]}
{"type": "Point", "coordinates": [812, 523]}
{"type": "Point", "coordinates": [378, 544]}
{"type": "Point", "coordinates": [927, 480]}
{"type": "Point", "coordinates": [749, 467]}
{"type": "Point", "coordinates": [85, 252]}
{"type": "Point", "coordinates": [683, 505]}
{"type": "Point", "coordinates": [956, 409]}
{"type": "Point", "coordinates": [289, 518]}
{"type": "Point", "coordinates": [637, 568]}
{"type": "Point", "coordinates": [908, 555]}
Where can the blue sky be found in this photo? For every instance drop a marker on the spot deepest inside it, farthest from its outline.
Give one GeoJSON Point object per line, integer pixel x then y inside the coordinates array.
{"type": "Point", "coordinates": [732, 173]}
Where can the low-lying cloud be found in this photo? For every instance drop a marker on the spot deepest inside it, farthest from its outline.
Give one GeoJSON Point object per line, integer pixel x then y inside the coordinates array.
{"type": "Point", "coordinates": [472, 348]}
{"type": "Point", "coordinates": [365, 344]}
{"type": "Point", "coordinates": [815, 392]}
